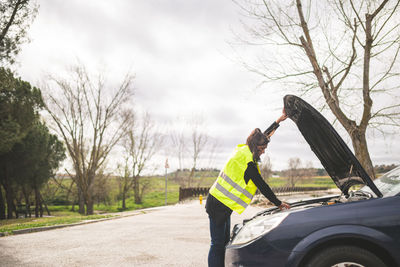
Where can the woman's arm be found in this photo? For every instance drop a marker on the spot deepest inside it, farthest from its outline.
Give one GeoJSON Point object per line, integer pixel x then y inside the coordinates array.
{"type": "Point", "coordinates": [271, 129]}
{"type": "Point", "coordinates": [253, 174]}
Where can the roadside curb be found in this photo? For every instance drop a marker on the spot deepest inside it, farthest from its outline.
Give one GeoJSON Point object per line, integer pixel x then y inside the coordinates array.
{"type": "Point", "coordinates": [46, 228]}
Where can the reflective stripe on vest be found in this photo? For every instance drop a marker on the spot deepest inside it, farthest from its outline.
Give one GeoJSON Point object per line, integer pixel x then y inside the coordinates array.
{"type": "Point", "coordinates": [236, 186]}
{"type": "Point", "coordinates": [231, 196]}
{"type": "Point", "coordinates": [230, 187]}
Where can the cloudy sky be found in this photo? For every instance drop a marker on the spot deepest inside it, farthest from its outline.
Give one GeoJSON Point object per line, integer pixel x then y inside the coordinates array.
{"type": "Point", "coordinates": [180, 52]}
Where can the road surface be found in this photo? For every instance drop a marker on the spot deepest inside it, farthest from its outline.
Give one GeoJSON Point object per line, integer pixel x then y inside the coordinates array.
{"type": "Point", "coordinates": [167, 236]}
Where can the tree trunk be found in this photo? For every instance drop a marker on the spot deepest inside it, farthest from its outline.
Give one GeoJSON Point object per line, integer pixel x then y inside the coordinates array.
{"type": "Point", "coordinates": [89, 205]}
{"type": "Point", "coordinates": [40, 207]}
{"type": "Point", "coordinates": [357, 133]}
{"type": "Point", "coordinates": [136, 189]}
{"type": "Point", "coordinates": [191, 175]}
{"type": "Point", "coordinates": [9, 199]}
{"type": "Point", "coordinates": [44, 203]}
{"type": "Point", "coordinates": [81, 202]}
{"type": "Point", "coordinates": [27, 207]}
{"type": "Point", "coordinates": [2, 205]}
{"type": "Point", "coordinates": [123, 199]}
{"type": "Point", "coordinates": [361, 151]}
{"type": "Point", "coordinates": [8, 192]}
{"type": "Point", "coordinates": [37, 203]}
{"type": "Point", "coordinates": [19, 206]}
{"type": "Point", "coordinates": [73, 204]}
{"type": "Point", "coordinates": [89, 198]}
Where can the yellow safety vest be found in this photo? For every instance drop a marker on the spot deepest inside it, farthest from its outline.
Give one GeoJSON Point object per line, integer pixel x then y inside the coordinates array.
{"type": "Point", "coordinates": [230, 187]}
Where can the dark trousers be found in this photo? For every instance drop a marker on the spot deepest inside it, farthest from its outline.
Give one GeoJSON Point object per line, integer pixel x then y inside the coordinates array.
{"type": "Point", "coordinates": [220, 234]}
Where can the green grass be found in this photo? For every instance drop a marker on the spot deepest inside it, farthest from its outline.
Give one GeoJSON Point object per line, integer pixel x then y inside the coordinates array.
{"type": "Point", "coordinates": [61, 218]}
{"type": "Point", "coordinates": [318, 181]}
{"type": "Point", "coordinates": [151, 199]}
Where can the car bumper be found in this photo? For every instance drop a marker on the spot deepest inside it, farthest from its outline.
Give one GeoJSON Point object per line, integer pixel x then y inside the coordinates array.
{"type": "Point", "coordinates": [257, 253]}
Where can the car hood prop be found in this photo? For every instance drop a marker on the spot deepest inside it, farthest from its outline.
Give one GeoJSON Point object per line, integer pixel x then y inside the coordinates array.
{"type": "Point", "coordinates": [336, 157]}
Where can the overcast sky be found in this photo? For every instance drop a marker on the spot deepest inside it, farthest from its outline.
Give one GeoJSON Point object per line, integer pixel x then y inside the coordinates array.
{"type": "Point", "coordinates": [180, 53]}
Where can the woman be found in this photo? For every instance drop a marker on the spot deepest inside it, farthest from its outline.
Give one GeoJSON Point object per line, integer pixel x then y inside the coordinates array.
{"type": "Point", "coordinates": [235, 187]}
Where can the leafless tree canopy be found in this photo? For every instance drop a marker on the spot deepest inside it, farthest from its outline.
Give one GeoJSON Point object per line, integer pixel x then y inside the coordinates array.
{"type": "Point", "coordinates": [348, 49]}
{"type": "Point", "coordinates": [191, 142]}
{"type": "Point", "coordinates": [198, 142]}
{"type": "Point", "coordinates": [90, 117]}
{"type": "Point", "coordinates": [266, 168]}
{"type": "Point", "coordinates": [296, 171]}
{"type": "Point", "coordinates": [141, 142]}
{"type": "Point", "coordinates": [179, 144]}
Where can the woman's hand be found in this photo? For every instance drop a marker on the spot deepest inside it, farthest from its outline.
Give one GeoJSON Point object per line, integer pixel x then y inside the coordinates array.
{"type": "Point", "coordinates": [282, 117]}
{"type": "Point", "coordinates": [284, 206]}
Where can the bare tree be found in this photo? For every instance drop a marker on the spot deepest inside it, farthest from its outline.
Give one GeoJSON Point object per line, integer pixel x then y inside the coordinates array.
{"type": "Point", "coordinates": [209, 151]}
{"type": "Point", "coordinates": [125, 181]}
{"type": "Point", "coordinates": [199, 141]}
{"type": "Point", "coordinates": [191, 142]}
{"type": "Point", "coordinates": [91, 120]}
{"type": "Point", "coordinates": [309, 170]}
{"type": "Point", "coordinates": [178, 142]}
{"type": "Point", "coordinates": [102, 188]}
{"type": "Point", "coordinates": [294, 172]}
{"type": "Point", "coordinates": [347, 49]}
{"type": "Point", "coordinates": [141, 142]}
{"type": "Point", "coordinates": [266, 168]}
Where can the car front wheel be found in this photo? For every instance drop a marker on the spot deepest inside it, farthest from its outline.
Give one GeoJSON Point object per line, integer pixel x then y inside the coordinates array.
{"type": "Point", "coordinates": [345, 256]}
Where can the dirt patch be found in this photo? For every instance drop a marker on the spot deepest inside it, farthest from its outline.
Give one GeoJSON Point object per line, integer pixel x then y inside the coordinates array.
{"type": "Point", "coordinates": [141, 258]}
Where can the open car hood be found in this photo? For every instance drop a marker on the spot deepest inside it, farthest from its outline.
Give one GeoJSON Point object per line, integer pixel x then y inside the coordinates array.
{"type": "Point", "coordinates": [336, 157]}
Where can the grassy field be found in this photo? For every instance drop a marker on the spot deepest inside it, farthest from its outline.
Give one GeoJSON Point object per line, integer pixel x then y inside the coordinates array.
{"type": "Point", "coordinates": [155, 196]}
{"type": "Point", "coordinates": [318, 181]}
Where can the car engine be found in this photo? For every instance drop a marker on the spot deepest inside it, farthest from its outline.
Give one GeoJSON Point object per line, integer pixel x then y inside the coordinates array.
{"type": "Point", "coordinates": [328, 200]}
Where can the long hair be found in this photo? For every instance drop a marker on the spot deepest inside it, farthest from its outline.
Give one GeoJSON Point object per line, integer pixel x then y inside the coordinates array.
{"type": "Point", "coordinates": [255, 139]}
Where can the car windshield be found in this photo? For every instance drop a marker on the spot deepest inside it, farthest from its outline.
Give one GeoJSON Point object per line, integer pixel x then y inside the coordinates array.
{"type": "Point", "coordinates": [388, 184]}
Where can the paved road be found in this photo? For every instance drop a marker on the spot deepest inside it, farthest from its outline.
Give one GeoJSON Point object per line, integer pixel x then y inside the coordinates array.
{"type": "Point", "coordinates": [169, 236]}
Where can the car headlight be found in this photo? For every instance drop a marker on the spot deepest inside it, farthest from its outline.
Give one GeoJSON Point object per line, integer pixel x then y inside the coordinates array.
{"type": "Point", "coordinates": [257, 227]}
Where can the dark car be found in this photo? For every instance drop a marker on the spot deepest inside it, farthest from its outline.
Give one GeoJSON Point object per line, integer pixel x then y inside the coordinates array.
{"type": "Point", "coordinates": [355, 228]}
